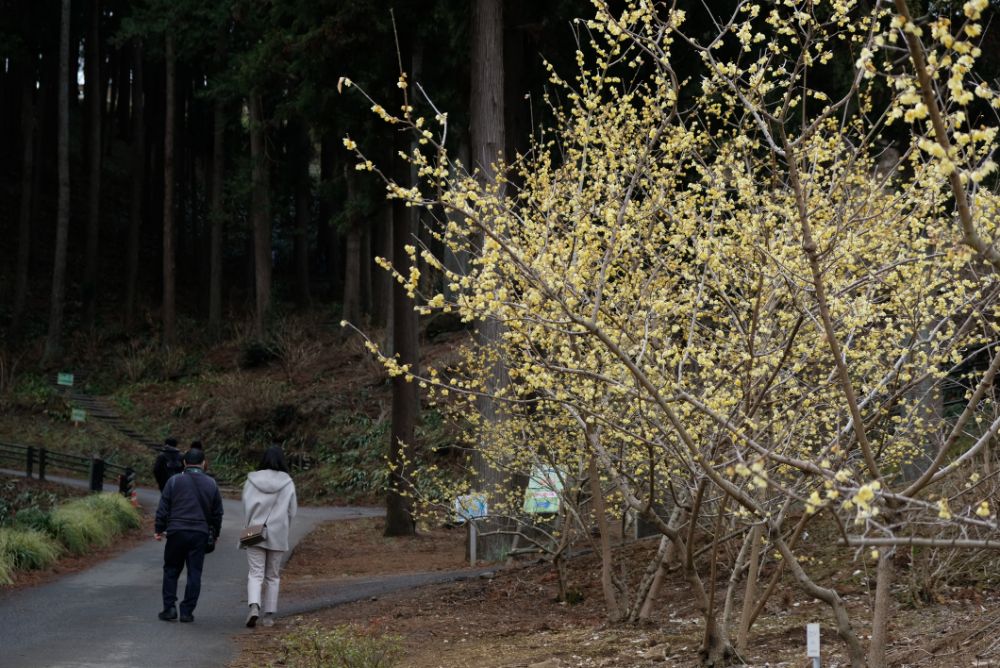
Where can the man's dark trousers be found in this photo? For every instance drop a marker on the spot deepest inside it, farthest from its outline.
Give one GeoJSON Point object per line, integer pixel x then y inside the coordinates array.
{"type": "Point", "coordinates": [183, 548]}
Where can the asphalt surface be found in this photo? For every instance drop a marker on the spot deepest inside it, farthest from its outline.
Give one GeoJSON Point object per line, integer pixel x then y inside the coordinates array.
{"type": "Point", "coordinates": [106, 616]}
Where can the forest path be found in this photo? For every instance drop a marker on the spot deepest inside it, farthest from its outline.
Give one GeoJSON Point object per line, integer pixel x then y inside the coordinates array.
{"type": "Point", "coordinates": [106, 616]}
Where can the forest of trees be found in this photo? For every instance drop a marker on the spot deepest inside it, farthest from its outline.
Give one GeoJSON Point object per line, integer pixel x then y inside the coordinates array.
{"type": "Point", "coordinates": [166, 165]}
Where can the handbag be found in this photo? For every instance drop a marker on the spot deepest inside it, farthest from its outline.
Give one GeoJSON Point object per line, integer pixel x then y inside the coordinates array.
{"type": "Point", "coordinates": [254, 534]}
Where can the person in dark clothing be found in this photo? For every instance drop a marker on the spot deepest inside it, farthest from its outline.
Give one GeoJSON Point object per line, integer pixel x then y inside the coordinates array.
{"type": "Point", "coordinates": [168, 463]}
{"type": "Point", "coordinates": [190, 511]}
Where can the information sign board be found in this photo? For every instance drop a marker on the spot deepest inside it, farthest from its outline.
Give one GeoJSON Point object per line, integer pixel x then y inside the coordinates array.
{"type": "Point", "coordinates": [542, 494]}
{"type": "Point", "coordinates": [470, 507]}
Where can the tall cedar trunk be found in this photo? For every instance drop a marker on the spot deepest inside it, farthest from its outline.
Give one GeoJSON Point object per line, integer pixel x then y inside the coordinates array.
{"type": "Point", "coordinates": [124, 94]}
{"type": "Point", "coordinates": [217, 215]}
{"type": "Point", "coordinates": [405, 400]}
{"type": "Point", "coordinates": [487, 131]}
{"type": "Point", "coordinates": [110, 90]}
{"type": "Point", "coordinates": [138, 166]}
{"type": "Point", "coordinates": [169, 232]}
{"type": "Point", "coordinates": [54, 337]}
{"type": "Point", "coordinates": [351, 310]}
{"type": "Point", "coordinates": [303, 210]}
{"type": "Point", "coordinates": [260, 214]}
{"type": "Point", "coordinates": [24, 214]}
{"type": "Point", "coordinates": [367, 261]}
{"type": "Point", "coordinates": [323, 233]}
{"type": "Point", "coordinates": [381, 280]}
{"type": "Point", "coordinates": [94, 92]}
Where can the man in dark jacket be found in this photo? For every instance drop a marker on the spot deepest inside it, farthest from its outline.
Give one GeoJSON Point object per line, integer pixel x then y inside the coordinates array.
{"type": "Point", "coordinates": [168, 463]}
{"type": "Point", "coordinates": [190, 511]}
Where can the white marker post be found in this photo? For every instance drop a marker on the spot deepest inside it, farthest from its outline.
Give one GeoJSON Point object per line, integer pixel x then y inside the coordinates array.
{"type": "Point", "coordinates": [472, 542]}
{"type": "Point", "coordinates": [468, 508]}
{"type": "Point", "coordinates": [812, 644]}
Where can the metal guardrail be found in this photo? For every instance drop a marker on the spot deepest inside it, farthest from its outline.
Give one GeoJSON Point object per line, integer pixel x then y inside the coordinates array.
{"type": "Point", "coordinates": [33, 458]}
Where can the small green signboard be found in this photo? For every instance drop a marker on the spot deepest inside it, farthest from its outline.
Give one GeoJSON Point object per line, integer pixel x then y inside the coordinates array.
{"type": "Point", "coordinates": [78, 415]}
{"type": "Point", "coordinates": [65, 379]}
{"type": "Point", "coordinates": [542, 495]}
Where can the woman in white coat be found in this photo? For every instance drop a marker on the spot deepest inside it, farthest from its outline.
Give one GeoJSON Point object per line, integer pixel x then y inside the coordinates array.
{"type": "Point", "coordinates": [268, 498]}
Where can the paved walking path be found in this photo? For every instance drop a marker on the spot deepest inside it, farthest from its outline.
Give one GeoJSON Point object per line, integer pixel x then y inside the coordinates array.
{"type": "Point", "coordinates": [106, 616]}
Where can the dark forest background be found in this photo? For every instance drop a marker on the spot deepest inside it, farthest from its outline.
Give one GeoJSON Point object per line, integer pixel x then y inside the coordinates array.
{"type": "Point", "coordinates": [207, 179]}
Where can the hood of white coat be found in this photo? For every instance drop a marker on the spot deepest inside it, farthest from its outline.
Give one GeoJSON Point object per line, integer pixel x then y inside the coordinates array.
{"type": "Point", "coordinates": [269, 481]}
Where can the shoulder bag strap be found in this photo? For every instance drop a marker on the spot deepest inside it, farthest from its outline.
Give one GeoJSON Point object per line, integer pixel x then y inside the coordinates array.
{"type": "Point", "coordinates": [269, 511]}
{"type": "Point", "coordinates": [201, 502]}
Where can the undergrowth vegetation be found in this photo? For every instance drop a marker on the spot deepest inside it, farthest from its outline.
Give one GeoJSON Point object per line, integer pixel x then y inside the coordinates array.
{"type": "Point", "coordinates": [35, 538]}
{"type": "Point", "coordinates": [343, 646]}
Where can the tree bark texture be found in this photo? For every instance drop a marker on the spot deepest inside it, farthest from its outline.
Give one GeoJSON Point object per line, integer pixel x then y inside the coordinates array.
{"type": "Point", "coordinates": [169, 232]}
{"type": "Point", "coordinates": [94, 93]}
{"type": "Point", "coordinates": [138, 166]}
{"type": "Point", "coordinates": [613, 606]}
{"type": "Point", "coordinates": [302, 155]}
{"type": "Point", "coordinates": [882, 610]}
{"type": "Point", "coordinates": [487, 132]}
{"type": "Point", "coordinates": [54, 338]}
{"type": "Point", "coordinates": [217, 215]}
{"type": "Point", "coordinates": [750, 592]}
{"type": "Point", "coordinates": [351, 311]}
{"type": "Point", "coordinates": [405, 399]}
{"type": "Point", "coordinates": [260, 213]}
{"type": "Point", "coordinates": [24, 212]}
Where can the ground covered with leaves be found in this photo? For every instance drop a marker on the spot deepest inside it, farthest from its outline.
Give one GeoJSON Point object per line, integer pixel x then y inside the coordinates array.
{"type": "Point", "coordinates": [511, 618]}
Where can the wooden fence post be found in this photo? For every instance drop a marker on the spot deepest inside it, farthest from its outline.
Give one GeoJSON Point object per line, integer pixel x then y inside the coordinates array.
{"type": "Point", "coordinates": [96, 474]}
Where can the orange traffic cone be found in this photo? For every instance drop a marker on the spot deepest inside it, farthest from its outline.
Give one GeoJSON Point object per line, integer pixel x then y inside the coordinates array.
{"type": "Point", "coordinates": [135, 499]}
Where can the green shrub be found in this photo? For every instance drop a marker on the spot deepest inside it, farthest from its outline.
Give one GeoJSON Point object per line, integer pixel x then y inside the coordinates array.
{"type": "Point", "coordinates": [78, 527]}
{"type": "Point", "coordinates": [118, 511]}
{"type": "Point", "coordinates": [33, 518]}
{"type": "Point", "coordinates": [5, 570]}
{"type": "Point", "coordinates": [340, 647]}
{"type": "Point", "coordinates": [27, 549]}
{"type": "Point", "coordinates": [92, 520]}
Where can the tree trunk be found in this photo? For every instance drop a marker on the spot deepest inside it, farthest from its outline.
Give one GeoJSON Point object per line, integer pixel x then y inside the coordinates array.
{"type": "Point", "coordinates": [94, 92]}
{"type": "Point", "coordinates": [648, 600]}
{"type": "Point", "coordinates": [169, 232]}
{"type": "Point", "coordinates": [260, 213]}
{"type": "Point", "coordinates": [326, 148]}
{"type": "Point", "coordinates": [123, 94]}
{"type": "Point", "coordinates": [381, 280]}
{"type": "Point", "coordinates": [882, 611]}
{"type": "Point", "coordinates": [217, 215]}
{"type": "Point", "coordinates": [302, 155]}
{"type": "Point", "coordinates": [54, 338]}
{"type": "Point", "coordinates": [750, 593]}
{"type": "Point", "coordinates": [405, 399]}
{"type": "Point", "coordinates": [24, 213]}
{"type": "Point", "coordinates": [138, 165]}
{"type": "Point", "coordinates": [613, 606]}
{"type": "Point", "coordinates": [351, 302]}
{"type": "Point", "coordinates": [487, 131]}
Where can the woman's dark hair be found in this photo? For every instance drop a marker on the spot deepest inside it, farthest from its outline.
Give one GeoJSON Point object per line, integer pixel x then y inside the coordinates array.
{"type": "Point", "coordinates": [273, 459]}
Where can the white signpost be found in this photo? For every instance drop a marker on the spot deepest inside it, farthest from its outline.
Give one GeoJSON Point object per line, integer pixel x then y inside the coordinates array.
{"type": "Point", "coordinates": [812, 644]}
{"type": "Point", "coordinates": [467, 508]}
